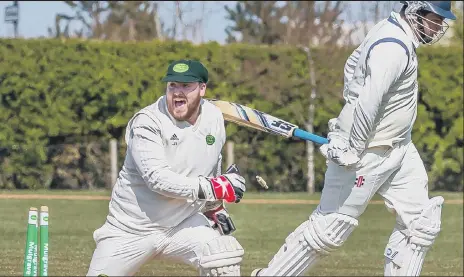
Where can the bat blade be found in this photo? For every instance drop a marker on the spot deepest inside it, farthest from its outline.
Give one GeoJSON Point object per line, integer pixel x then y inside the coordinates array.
{"type": "Point", "coordinates": [252, 118]}
{"type": "Point", "coordinates": [241, 115]}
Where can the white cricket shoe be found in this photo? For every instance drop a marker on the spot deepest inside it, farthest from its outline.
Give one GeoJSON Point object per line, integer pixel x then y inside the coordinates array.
{"type": "Point", "coordinates": [256, 272]}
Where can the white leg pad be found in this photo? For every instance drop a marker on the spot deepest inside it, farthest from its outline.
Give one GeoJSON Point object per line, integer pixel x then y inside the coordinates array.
{"type": "Point", "coordinates": [221, 256]}
{"type": "Point", "coordinates": [318, 236]}
{"type": "Point", "coordinates": [406, 249]}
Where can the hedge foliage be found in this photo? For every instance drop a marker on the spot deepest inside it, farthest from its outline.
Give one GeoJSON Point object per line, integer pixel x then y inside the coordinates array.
{"type": "Point", "coordinates": [61, 101]}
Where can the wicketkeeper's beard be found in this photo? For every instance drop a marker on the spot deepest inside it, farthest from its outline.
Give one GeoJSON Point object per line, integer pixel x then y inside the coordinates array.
{"type": "Point", "coordinates": [193, 106]}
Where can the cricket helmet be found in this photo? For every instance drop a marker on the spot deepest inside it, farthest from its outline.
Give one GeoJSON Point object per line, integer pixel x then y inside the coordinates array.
{"type": "Point", "coordinates": [415, 12]}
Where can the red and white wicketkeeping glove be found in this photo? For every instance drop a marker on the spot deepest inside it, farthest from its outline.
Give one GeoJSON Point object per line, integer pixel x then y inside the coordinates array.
{"type": "Point", "coordinates": [229, 187]}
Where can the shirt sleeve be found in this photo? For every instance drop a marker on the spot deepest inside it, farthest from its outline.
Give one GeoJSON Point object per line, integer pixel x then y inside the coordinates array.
{"type": "Point", "coordinates": [386, 64]}
{"type": "Point", "coordinates": [350, 65]}
{"type": "Point", "coordinates": [147, 150]}
{"type": "Point", "coordinates": [222, 140]}
{"type": "Point", "coordinates": [218, 166]}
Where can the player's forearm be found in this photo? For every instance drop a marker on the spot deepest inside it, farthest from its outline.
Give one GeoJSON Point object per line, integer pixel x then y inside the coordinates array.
{"type": "Point", "coordinates": [385, 66]}
{"type": "Point", "coordinates": [367, 108]}
{"type": "Point", "coordinates": [159, 177]}
{"type": "Point", "coordinates": [170, 184]}
{"type": "Point", "coordinates": [147, 151]}
{"type": "Point", "coordinates": [365, 114]}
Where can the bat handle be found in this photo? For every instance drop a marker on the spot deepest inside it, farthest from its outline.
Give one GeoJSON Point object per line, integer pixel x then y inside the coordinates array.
{"type": "Point", "coordinates": [302, 134]}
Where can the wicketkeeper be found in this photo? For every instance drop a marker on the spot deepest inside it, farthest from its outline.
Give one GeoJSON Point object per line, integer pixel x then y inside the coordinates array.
{"type": "Point", "coordinates": [167, 202]}
{"type": "Point", "coordinates": [370, 150]}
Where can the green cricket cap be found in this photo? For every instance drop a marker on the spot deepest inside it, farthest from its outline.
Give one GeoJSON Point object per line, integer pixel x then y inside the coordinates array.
{"type": "Point", "coordinates": [186, 71]}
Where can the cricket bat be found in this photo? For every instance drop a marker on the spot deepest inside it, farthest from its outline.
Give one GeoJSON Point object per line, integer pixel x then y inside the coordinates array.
{"type": "Point", "coordinates": [248, 117]}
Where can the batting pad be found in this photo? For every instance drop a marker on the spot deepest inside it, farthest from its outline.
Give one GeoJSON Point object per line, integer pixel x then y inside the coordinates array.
{"type": "Point", "coordinates": [221, 257]}
{"type": "Point", "coordinates": [406, 250]}
{"type": "Point", "coordinates": [318, 236]}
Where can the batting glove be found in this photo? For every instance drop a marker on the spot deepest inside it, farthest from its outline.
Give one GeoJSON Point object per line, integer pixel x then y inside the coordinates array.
{"type": "Point", "coordinates": [339, 152]}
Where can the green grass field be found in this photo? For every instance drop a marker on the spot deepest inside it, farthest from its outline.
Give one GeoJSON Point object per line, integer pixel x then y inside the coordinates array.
{"type": "Point", "coordinates": [262, 229]}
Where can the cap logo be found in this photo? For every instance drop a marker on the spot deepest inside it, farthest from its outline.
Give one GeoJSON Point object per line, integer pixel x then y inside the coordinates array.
{"type": "Point", "coordinates": [180, 68]}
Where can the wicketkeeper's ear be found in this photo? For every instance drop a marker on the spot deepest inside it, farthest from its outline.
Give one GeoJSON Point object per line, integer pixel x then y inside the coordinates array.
{"type": "Point", "coordinates": [202, 89]}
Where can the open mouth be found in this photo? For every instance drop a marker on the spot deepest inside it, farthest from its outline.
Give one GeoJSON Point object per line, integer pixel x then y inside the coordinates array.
{"type": "Point", "coordinates": [179, 102]}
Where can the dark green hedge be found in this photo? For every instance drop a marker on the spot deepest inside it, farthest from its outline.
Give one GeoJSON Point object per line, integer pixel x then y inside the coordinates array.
{"type": "Point", "coordinates": [61, 101]}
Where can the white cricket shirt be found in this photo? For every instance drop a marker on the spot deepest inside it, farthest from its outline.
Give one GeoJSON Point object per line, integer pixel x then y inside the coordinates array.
{"type": "Point", "coordinates": [158, 183]}
{"type": "Point", "coordinates": [381, 90]}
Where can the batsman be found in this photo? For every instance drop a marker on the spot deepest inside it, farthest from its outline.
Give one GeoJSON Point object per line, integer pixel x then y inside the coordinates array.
{"type": "Point", "coordinates": [168, 200]}
{"type": "Point", "coordinates": [370, 150]}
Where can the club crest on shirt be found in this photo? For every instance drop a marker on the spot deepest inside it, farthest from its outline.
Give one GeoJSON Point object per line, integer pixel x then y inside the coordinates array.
{"type": "Point", "coordinates": [210, 139]}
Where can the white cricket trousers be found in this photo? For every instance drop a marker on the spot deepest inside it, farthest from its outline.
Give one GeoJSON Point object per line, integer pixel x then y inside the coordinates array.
{"type": "Point", "coordinates": [119, 253]}
{"type": "Point", "coordinates": [397, 174]}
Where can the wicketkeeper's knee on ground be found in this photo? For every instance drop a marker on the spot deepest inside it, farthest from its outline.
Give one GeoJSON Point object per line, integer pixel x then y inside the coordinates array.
{"type": "Point", "coordinates": [407, 247]}
{"type": "Point", "coordinates": [221, 256]}
{"type": "Point", "coordinates": [318, 236]}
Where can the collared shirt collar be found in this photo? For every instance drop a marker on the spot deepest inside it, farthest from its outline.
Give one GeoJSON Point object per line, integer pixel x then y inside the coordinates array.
{"type": "Point", "coordinates": [396, 17]}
